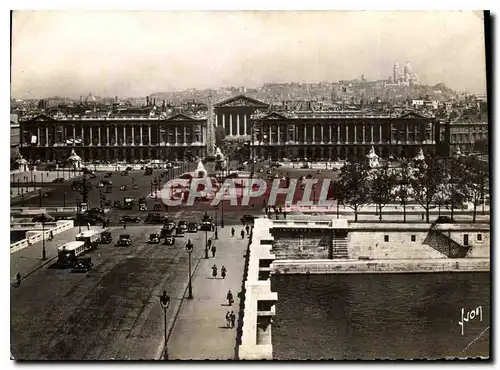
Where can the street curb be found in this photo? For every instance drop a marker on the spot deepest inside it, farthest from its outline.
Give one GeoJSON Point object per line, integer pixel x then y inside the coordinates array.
{"type": "Point", "coordinates": [38, 268]}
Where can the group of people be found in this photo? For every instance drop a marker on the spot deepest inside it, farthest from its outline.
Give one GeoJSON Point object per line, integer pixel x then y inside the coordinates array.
{"type": "Point", "coordinates": [223, 271]}
{"type": "Point", "coordinates": [242, 233]}
{"type": "Point", "coordinates": [230, 319]}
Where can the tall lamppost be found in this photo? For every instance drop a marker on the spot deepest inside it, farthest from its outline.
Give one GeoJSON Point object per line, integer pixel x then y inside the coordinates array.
{"type": "Point", "coordinates": [40, 197]}
{"type": "Point", "coordinates": [222, 213]}
{"type": "Point", "coordinates": [216, 226]}
{"type": "Point", "coordinates": [165, 302]}
{"type": "Point", "coordinates": [44, 252]}
{"type": "Point", "coordinates": [78, 214]}
{"type": "Point", "coordinates": [189, 249]}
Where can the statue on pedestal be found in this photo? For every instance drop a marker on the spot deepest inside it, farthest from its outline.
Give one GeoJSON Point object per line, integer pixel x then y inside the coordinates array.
{"type": "Point", "coordinates": [200, 170]}
{"type": "Point", "coordinates": [75, 159]}
{"type": "Point", "coordinates": [373, 158]}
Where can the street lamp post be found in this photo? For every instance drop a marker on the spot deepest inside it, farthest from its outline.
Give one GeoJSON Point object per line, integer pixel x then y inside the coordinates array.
{"type": "Point", "coordinates": [222, 213]}
{"type": "Point", "coordinates": [165, 302]}
{"type": "Point", "coordinates": [40, 197]}
{"type": "Point", "coordinates": [216, 226]}
{"type": "Point", "coordinates": [22, 197]}
{"type": "Point", "coordinates": [206, 244]}
{"type": "Point", "coordinates": [78, 215]}
{"type": "Point", "coordinates": [44, 252]}
{"type": "Point", "coordinates": [189, 249]}
{"type": "Point", "coordinates": [18, 187]}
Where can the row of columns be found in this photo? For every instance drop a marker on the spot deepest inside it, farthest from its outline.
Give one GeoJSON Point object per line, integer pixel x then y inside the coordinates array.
{"type": "Point", "coordinates": [362, 140]}
{"type": "Point", "coordinates": [227, 124]}
{"type": "Point", "coordinates": [99, 130]}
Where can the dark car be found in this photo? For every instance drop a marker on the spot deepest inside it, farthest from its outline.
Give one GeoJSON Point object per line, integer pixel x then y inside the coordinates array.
{"type": "Point", "coordinates": [443, 220]}
{"type": "Point", "coordinates": [154, 238]}
{"type": "Point", "coordinates": [106, 238]}
{"type": "Point", "coordinates": [106, 182]}
{"type": "Point", "coordinates": [130, 219]}
{"type": "Point", "coordinates": [80, 268]}
{"type": "Point", "coordinates": [128, 168]}
{"type": "Point", "coordinates": [192, 227]}
{"type": "Point", "coordinates": [124, 241]}
{"type": "Point", "coordinates": [180, 231]}
{"type": "Point", "coordinates": [169, 240]}
{"type": "Point", "coordinates": [170, 224]}
{"type": "Point", "coordinates": [247, 220]}
{"type": "Point", "coordinates": [165, 231]}
{"type": "Point", "coordinates": [123, 187]}
{"type": "Point", "coordinates": [58, 180]}
{"type": "Point", "coordinates": [206, 226]}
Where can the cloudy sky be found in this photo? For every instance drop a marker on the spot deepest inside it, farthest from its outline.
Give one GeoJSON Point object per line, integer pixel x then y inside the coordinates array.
{"type": "Point", "coordinates": [68, 53]}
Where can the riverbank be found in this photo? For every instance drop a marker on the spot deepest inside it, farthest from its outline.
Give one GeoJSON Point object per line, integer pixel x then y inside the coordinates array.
{"type": "Point", "coordinates": [380, 266]}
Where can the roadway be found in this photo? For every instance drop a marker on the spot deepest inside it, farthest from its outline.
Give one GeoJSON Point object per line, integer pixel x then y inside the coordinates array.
{"type": "Point", "coordinates": [111, 312]}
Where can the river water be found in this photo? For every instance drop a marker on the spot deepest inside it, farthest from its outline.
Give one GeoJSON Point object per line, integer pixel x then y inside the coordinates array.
{"type": "Point", "coordinates": [380, 316]}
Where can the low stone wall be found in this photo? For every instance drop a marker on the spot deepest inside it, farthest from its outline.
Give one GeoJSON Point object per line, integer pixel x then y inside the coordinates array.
{"type": "Point", "coordinates": [380, 266]}
{"type": "Point", "coordinates": [33, 237]}
{"type": "Point", "coordinates": [38, 211]}
{"type": "Point", "coordinates": [259, 301]}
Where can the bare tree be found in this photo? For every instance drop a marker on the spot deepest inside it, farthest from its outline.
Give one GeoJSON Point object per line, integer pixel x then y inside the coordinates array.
{"type": "Point", "coordinates": [353, 181]}
{"type": "Point", "coordinates": [382, 182]}
{"type": "Point", "coordinates": [426, 181]}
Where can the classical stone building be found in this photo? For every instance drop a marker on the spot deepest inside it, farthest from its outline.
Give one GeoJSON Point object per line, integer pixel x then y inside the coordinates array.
{"type": "Point", "coordinates": [234, 114]}
{"type": "Point", "coordinates": [341, 135]}
{"type": "Point", "coordinates": [114, 137]}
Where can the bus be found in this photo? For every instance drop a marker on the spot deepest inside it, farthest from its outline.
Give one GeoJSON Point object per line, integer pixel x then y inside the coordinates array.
{"type": "Point", "coordinates": [68, 253]}
{"type": "Point", "coordinates": [89, 237]}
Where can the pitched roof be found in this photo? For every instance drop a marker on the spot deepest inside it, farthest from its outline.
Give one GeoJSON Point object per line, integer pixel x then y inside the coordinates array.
{"type": "Point", "coordinates": [242, 101]}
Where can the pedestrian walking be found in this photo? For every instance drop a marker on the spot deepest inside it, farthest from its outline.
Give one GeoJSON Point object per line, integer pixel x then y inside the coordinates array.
{"type": "Point", "coordinates": [223, 272]}
{"type": "Point", "coordinates": [124, 225]}
{"type": "Point", "coordinates": [232, 232]}
{"type": "Point", "coordinates": [88, 225]}
{"type": "Point", "coordinates": [51, 235]}
{"type": "Point", "coordinates": [242, 234]}
{"type": "Point", "coordinates": [247, 228]}
{"type": "Point", "coordinates": [228, 320]}
{"type": "Point", "coordinates": [19, 278]}
{"type": "Point", "coordinates": [229, 298]}
{"type": "Point", "coordinates": [213, 250]}
{"type": "Point", "coordinates": [232, 317]}
{"type": "Point", "coordinates": [214, 272]}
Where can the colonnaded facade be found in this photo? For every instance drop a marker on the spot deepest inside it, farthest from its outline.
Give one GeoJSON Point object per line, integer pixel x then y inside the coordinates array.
{"type": "Point", "coordinates": [342, 135]}
{"type": "Point", "coordinates": [114, 138]}
{"type": "Point", "coordinates": [307, 135]}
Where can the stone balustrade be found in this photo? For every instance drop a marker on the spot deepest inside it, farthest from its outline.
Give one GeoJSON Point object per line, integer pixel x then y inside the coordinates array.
{"type": "Point", "coordinates": [36, 236]}
{"type": "Point", "coordinates": [259, 299]}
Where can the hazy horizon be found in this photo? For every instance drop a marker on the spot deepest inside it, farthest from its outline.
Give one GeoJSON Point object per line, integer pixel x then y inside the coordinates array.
{"type": "Point", "coordinates": [136, 53]}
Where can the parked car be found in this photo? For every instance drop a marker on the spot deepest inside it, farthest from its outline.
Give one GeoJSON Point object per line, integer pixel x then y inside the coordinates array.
{"type": "Point", "coordinates": [165, 232]}
{"type": "Point", "coordinates": [169, 240]}
{"type": "Point", "coordinates": [80, 268]}
{"type": "Point", "coordinates": [179, 231]}
{"type": "Point", "coordinates": [443, 220]}
{"type": "Point", "coordinates": [58, 180]}
{"type": "Point", "coordinates": [170, 224]}
{"type": "Point", "coordinates": [154, 238]}
{"type": "Point", "coordinates": [124, 240]}
{"type": "Point", "coordinates": [182, 224]}
{"type": "Point", "coordinates": [132, 219]}
{"type": "Point", "coordinates": [106, 238]}
{"type": "Point", "coordinates": [192, 227]}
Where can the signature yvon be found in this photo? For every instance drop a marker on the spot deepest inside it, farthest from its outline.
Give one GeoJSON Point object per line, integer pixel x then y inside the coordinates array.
{"type": "Point", "coordinates": [469, 316]}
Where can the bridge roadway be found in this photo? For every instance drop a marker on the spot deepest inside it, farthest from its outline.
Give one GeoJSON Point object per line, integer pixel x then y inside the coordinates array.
{"type": "Point", "coordinates": [111, 312]}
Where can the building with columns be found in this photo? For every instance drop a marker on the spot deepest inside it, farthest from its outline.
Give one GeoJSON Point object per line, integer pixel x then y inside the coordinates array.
{"type": "Point", "coordinates": [234, 114]}
{"type": "Point", "coordinates": [341, 135]}
{"type": "Point", "coordinates": [113, 137]}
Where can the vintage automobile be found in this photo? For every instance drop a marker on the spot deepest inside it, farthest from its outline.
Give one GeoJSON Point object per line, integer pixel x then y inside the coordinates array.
{"type": "Point", "coordinates": [124, 241]}
{"type": "Point", "coordinates": [132, 219]}
{"type": "Point", "coordinates": [106, 238]}
{"type": "Point", "coordinates": [143, 207]}
{"type": "Point", "coordinates": [58, 180]}
{"type": "Point", "coordinates": [180, 231]}
{"type": "Point", "coordinates": [169, 240]}
{"type": "Point", "coordinates": [123, 187]}
{"type": "Point", "coordinates": [154, 238]}
{"type": "Point", "coordinates": [247, 220]}
{"type": "Point", "coordinates": [192, 227]}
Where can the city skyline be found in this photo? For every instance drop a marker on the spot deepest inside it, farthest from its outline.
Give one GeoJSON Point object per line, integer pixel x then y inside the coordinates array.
{"type": "Point", "coordinates": [139, 53]}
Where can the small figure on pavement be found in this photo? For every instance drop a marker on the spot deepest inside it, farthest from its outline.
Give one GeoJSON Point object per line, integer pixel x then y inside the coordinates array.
{"type": "Point", "coordinates": [233, 319]}
{"type": "Point", "coordinates": [213, 250]}
{"type": "Point", "coordinates": [232, 232]}
{"type": "Point", "coordinates": [214, 272]}
{"type": "Point", "coordinates": [223, 272]}
{"type": "Point", "coordinates": [247, 228]}
{"type": "Point", "coordinates": [19, 278]}
{"type": "Point", "coordinates": [88, 225]}
{"type": "Point", "coordinates": [228, 319]}
{"type": "Point", "coordinates": [242, 234]}
{"type": "Point", "coordinates": [124, 225]}
{"type": "Point", "coordinates": [229, 298]}
{"type": "Point", "coordinates": [51, 235]}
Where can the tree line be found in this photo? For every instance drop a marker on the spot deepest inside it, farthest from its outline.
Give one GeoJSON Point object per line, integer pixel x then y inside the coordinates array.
{"type": "Point", "coordinates": [433, 183]}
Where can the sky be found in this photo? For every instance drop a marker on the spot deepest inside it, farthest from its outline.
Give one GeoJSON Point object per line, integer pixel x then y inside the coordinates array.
{"type": "Point", "coordinates": [136, 53]}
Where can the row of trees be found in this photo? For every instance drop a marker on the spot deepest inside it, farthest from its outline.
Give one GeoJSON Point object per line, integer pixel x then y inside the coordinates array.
{"type": "Point", "coordinates": [435, 183]}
